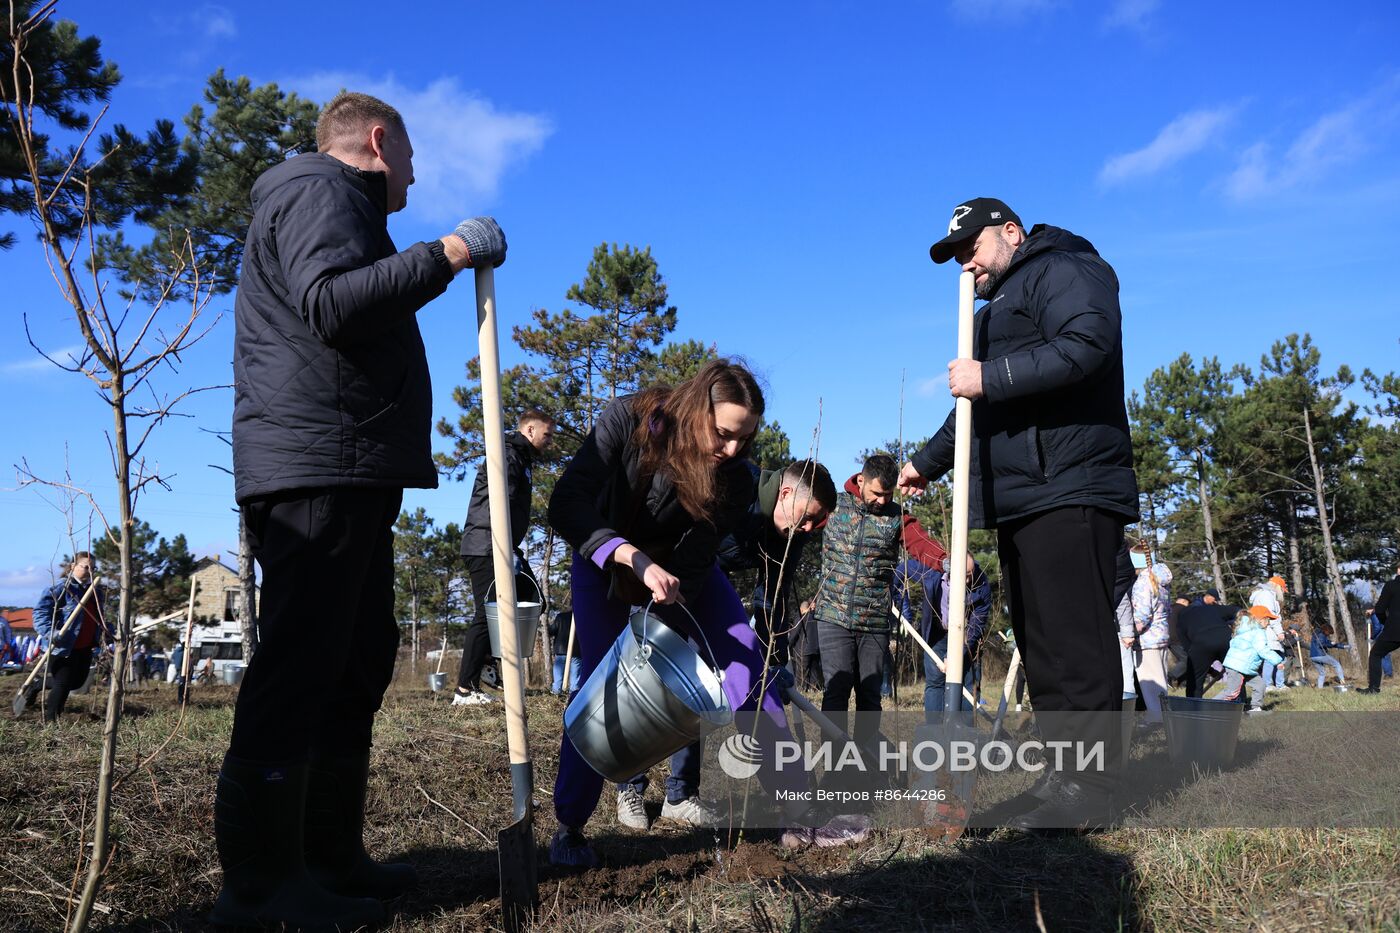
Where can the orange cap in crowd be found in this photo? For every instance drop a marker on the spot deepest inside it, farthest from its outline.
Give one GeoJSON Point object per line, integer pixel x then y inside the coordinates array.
{"type": "Point", "coordinates": [1262, 612]}
{"type": "Point", "coordinates": [1279, 580]}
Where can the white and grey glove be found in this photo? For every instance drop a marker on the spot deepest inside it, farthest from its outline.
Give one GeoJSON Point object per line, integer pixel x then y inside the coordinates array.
{"type": "Point", "coordinates": [486, 241]}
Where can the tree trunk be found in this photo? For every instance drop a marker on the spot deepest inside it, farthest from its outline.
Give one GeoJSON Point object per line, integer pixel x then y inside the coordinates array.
{"type": "Point", "coordinates": [248, 581]}
{"type": "Point", "coordinates": [97, 861]}
{"type": "Point", "coordinates": [1295, 552]}
{"type": "Point", "coordinates": [1204, 493]}
{"type": "Point", "coordinates": [413, 641]}
{"type": "Point", "coordinates": [1334, 573]}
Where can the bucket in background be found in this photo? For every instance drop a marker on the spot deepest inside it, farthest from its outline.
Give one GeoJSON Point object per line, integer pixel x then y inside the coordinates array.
{"type": "Point", "coordinates": [232, 674]}
{"type": "Point", "coordinates": [650, 696]}
{"type": "Point", "coordinates": [436, 682]}
{"type": "Point", "coordinates": [1202, 732]}
{"type": "Point", "coordinates": [527, 622]}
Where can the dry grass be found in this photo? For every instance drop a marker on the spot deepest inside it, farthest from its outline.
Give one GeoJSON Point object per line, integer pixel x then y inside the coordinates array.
{"type": "Point", "coordinates": [441, 789]}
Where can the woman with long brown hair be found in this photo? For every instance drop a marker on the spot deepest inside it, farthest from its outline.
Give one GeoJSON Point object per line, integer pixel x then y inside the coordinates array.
{"type": "Point", "coordinates": [645, 503]}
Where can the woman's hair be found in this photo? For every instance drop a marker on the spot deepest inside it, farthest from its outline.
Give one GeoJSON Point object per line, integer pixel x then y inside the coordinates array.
{"type": "Point", "coordinates": [67, 565]}
{"type": "Point", "coordinates": [677, 429]}
{"type": "Point", "coordinates": [1145, 549]}
{"type": "Point", "coordinates": [1244, 621]}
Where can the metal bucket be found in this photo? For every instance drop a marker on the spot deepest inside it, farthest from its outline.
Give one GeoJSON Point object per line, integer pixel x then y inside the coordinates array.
{"type": "Point", "coordinates": [436, 682]}
{"type": "Point", "coordinates": [1202, 732]}
{"type": "Point", "coordinates": [527, 623]}
{"type": "Point", "coordinates": [650, 696]}
{"type": "Point", "coordinates": [232, 674]}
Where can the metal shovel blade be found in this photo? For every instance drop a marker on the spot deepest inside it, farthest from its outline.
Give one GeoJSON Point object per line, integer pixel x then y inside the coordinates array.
{"type": "Point", "coordinates": [520, 893]}
{"type": "Point", "coordinates": [21, 702]}
{"type": "Point", "coordinates": [952, 793]}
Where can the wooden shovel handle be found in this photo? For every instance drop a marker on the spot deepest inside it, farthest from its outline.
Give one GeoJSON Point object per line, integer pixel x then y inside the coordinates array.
{"type": "Point", "coordinates": [956, 578]}
{"type": "Point", "coordinates": [493, 426]}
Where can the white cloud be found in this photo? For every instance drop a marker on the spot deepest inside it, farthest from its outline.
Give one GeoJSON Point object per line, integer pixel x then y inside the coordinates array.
{"type": "Point", "coordinates": [1187, 134]}
{"type": "Point", "coordinates": [462, 144]}
{"type": "Point", "coordinates": [932, 387]}
{"type": "Point", "coordinates": [1334, 139]}
{"type": "Point", "coordinates": [218, 22]}
{"type": "Point", "coordinates": [37, 364]}
{"type": "Point", "coordinates": [1131, 14]}
{"type": "Point", "coordinates": [998, 10]}
{"type": "Point", "coordinates": [27, 580]}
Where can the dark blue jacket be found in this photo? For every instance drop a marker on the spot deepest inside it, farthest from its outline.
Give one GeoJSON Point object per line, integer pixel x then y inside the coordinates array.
{"type": "Point", "coordinates": [1051, 429]}
{"type": "Point", "coordinates": [1317, 648]}
{"type": "Point", "coordinates": [56, 604]}
{"type": "Point", "coordinates": [331, 381]}
{"type": "Point", "coordinates": [932, 626]}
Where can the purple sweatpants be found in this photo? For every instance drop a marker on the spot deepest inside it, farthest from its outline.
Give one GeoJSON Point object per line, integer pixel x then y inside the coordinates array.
{"type": "Point", "coordinates": [598, 621]}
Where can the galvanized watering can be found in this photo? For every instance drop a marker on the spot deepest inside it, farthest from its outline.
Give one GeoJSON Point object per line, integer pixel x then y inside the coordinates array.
{"type": "Point", "coordinates": [650, 696]}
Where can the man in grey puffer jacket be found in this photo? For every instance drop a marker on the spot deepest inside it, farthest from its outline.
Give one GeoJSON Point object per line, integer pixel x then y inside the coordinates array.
{"type": "Point", "coordinates": [332, 417]}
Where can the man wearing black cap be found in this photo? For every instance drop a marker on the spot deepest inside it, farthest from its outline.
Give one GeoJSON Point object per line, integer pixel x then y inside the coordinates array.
{"type": "Point", "coordinates": [1052, 467]}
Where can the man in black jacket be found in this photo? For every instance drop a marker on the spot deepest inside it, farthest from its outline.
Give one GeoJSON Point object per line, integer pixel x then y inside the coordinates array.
{"type": "Point", "coordinates": [332, 417]}
{"type": "Point", "coordinates": [532, 436]}
{"type": "Point", "coordinates": [1052, 465]}
{"type": "Point", "coordinates": [1388, 612]}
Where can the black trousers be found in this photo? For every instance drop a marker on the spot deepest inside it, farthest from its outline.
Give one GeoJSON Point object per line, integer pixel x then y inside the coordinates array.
{"type": "Point", "coordinates": [327, 635]}
{"type": "Point", "coordinates": [65, 675]}
{"type": "Point", "coordinates": [1206, 648]}
{"type": "Point", "coordinates": [852, 662]}
{"type": "Point", "coordinates": [482, 571]}
{"type": "Point", "coordinates": [1059, 567]}
{"type": "Point", "coordinates": [1382, 647]}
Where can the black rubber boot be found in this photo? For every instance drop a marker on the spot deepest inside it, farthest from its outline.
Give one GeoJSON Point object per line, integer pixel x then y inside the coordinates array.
{"type": "Point", "coordinates": [259, 811]}
{"type": "Point", "coordinates": [335, 820]}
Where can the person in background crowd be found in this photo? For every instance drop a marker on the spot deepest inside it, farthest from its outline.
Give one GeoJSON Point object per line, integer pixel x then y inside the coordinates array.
{"type": "Point", "coordinates": [1374, 627]}
{"type": "Point", "coordinates": [1387, 610]}
{"type": "Point", "coordinates": [1151, 595]}
{"type": "Point", "coordinates": [1206, 628]}
{"type": "Point", "coordinates": [533, 435]}
{"type": "Point", "coordinates": [558, 628]}
{"type": "Point", "coordinates": [72, 652]}
{"type": "Point", "coordinates": [1249, 649]}
{"type": "Point", "coordinates": [1270, 594]}
{"type": "Point", "coordinates": [1321, 660]}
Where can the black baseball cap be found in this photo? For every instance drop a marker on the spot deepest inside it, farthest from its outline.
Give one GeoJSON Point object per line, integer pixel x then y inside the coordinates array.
{"type": "Point", "coordinates": [969, 218]}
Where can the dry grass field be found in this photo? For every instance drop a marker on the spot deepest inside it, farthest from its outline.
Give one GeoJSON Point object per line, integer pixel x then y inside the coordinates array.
{"type": "Point", "coordinates": [441, 789]}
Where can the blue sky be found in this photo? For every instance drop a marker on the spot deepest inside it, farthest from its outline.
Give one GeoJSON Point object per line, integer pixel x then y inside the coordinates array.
{"type": "Point", "coordinates": [789, 164]}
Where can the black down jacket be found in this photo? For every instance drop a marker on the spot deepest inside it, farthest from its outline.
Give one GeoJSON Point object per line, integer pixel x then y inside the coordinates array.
{"type": "Point", "coordinates": [598, 499]}
{"type": "Point", "coordinates": [1051, 429]}
{"type": "Point", "coordinates": [331, 382]}
{"type": "Point", "coordinates": [476, 532]}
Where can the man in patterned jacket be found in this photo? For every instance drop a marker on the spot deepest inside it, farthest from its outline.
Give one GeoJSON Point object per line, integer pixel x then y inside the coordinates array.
{"type": "Point", "coordinates": [860, 548]}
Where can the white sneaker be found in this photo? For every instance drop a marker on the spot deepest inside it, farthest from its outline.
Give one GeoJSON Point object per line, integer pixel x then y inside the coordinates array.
{"type": "Point", "coordinates": [691, 810]}
{"type": "Point", "coordinates": [1271, 689]}
{"type": "Point", "coordinates": [472, 698]}
{"type": "Point", "coordinates": [632, 810]}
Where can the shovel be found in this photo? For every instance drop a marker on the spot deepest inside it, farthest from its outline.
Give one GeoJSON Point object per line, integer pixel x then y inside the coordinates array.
{"type": "Point", "coordinates": [1013, 674]}
{"type": "Point", "coordinates": [947, 817]}
{"type": "Point", "coordinates": [21, 700]}
{"type": "Point", "coordinates": [516, 843]}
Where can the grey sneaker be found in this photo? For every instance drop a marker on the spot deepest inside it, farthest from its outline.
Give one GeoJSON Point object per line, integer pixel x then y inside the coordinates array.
{"type": "Point", "coordinates": [631, 810]}
{"type": "Point", "coordinates": [691, 810]}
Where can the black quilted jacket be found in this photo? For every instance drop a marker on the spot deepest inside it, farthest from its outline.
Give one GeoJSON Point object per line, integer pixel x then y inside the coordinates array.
{"type": "Point", "coordinates": [331, 381]}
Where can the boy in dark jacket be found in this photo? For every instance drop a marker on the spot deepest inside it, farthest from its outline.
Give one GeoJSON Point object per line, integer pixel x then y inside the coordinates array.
{"type": "Point", "coordinates": [532, 437]}
{"type": "Point", "coordinates": [71, 657]}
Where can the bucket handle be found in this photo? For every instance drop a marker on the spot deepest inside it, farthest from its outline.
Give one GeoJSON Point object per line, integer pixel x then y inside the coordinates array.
{"type": "Point", "coordinates": [646, 647]}
{"type": "Point", "coordinates": [538, 591]}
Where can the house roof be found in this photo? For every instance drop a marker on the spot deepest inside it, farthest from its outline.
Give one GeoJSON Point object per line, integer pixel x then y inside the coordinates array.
{"type": "Point", "coordinates": [20, 620]}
